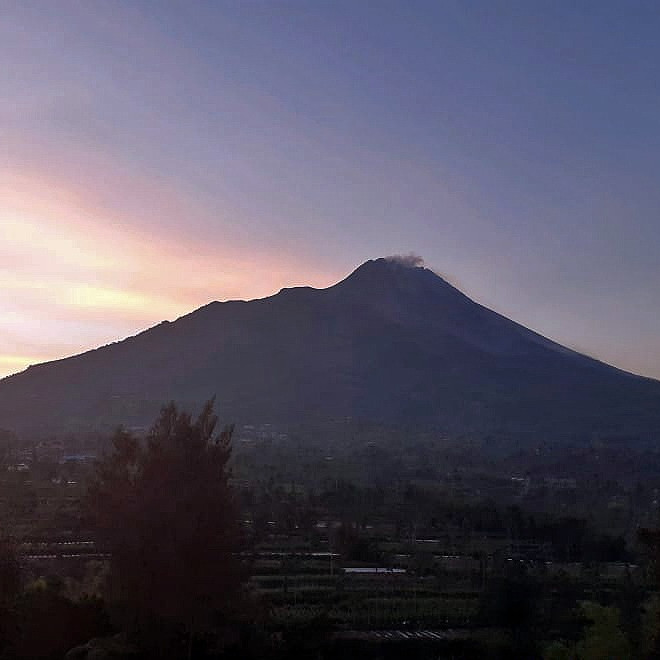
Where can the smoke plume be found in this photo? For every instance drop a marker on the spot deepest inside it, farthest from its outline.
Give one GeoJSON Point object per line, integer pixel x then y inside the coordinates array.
{"type": "Point", "coordinates": [410, 260]}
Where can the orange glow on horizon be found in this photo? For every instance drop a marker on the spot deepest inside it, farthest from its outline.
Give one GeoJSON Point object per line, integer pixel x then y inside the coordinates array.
{"type": "Point", "coordinates": [11, 364]}
{"type": "Point", "coordinates": [64, 258]}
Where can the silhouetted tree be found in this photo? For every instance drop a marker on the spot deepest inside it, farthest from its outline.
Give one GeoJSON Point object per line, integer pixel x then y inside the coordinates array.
{"type": "Point", "coordinates": [511, 601]}
{"type": "Point", "coordinates": [10, 575]}
{"type": "Point", "coordinates": [354, 545]}
{"type": "Point", "coordinates": [604, 638]}
{"type": "Point", "coordinates": [10, 582]}
{"type": "Point", "coordinates": [165, 511]}
{"type": "Point", "coordinates": [47, 623]}
{"type": "Point", "coordinates": [650, 538]}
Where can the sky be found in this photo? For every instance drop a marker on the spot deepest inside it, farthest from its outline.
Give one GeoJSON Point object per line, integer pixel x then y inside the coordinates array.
{"type": "Point", "coordinates": [155, 156]}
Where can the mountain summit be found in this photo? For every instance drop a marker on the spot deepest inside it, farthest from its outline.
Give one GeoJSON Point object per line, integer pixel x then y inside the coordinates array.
{"type": "Point", "coordinates": [392, 343]}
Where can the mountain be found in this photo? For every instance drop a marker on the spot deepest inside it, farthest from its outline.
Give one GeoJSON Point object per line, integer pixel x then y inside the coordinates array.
{"type": "Point", "coordinates": [392, 343]}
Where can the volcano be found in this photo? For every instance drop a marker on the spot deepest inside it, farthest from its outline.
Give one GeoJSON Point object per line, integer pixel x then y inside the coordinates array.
{"type": "Point", "coordinates": [393, 343]}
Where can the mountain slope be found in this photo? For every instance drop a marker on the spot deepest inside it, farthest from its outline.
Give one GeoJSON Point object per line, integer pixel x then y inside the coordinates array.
{"type": "Point", "coordinates": [391, 343]}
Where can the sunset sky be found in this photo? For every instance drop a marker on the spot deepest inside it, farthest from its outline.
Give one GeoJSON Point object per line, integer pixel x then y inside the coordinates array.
{"type": "Point", "coordinates": [158, 155]}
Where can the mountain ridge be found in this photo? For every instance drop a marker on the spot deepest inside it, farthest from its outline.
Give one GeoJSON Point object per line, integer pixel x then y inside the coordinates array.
{"type": "Point", "coordinates": [391, 343]}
